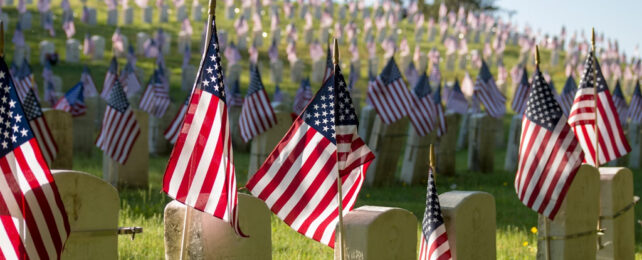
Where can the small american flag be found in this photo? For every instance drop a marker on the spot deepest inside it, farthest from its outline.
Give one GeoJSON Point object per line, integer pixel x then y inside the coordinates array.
{"type": "Point", "coordinates": [155, 99]}
{"type": "Point", "coordinates": [435, 74]}
{"type": "Point", "coordinates": [120, 128]}
{"type": "Point", "coordinates": [389, 95]}
{"type": "Point", "coordinates": [568, 95]}
{"type": "Point", "coordinates": [174, 128]}
{"type": "Point", "coordinates": [278, 95]}
{"type": "Point", "coordinates": [129, 80]}
{"type": "Point", "coordinates": [298, 179]}
{"type": "Point", "coordinates": [34, 221]}
{"type": "Point", "coordinates": [486, 92]}
{"type": "Point", "coordinates": [612, 141]}
{"type": "Point", "coordinates": [88, 83]}
{"type": "Point", "coordinates": [200, 172]}
{"type": "Point", "coordinates": [257, 114]}
{"type": "Point", "coordinates": [549, 153]}
{"type": "Point", "coordinates": [39, 127]}
{"type": "Point", "coordinates": [110, 78]}
{"type": "Point", "coordinates": [635, 110]}
{"type": "Point", "coordinates": [456, 100]}
{"type": "Point", "coordinates": [303, 96]}
{"type": "Point", "coordinates": [434, 239]}
{"type": "Point", "coordinates": [521, 94]}
{"type": "Point", "coordinates": [69, 27]}
{"type": "Point", "coordinates": [422, 113]}
{"type": "Point", "coordinates": [73, 101]}
{"type": "Point", "coordinates": [440, 118]}
{"type": "Point", "coordinates": [234, 98]}
{"type": "Point", "coordinates": [620, 103]}
{"type": "Point", "coordinates": [24, 81]}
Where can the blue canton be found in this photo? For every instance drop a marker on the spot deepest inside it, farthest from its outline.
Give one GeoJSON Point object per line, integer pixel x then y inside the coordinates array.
{"type": "Point", "coordinates": [211, 74]}
{"type": "Point", "coordinates": [617, 91]}
{"type": "Point", "coordinates": [117, 98]}
{"type": "Point", "coordinates": [422, 88]}
{"type": "Point", "coordinates": [588, 79]}
{"type": "Point", "coordinates": [541, 107]}
{"type": "Point", "coordinates": [256, 84]}
{"type": "Point", "coordinates": [75, 95]}
{"type": "Point", "coordinates": [390, 73]}
{"type": "Point", "coordinates": [436, 97]}
{"type": "Point", "coordinates": [14, 126]}
{"type": "Point", "coordinates": [432, 215]}
{"type": "Point", "coordinates": [484, 72]}
{"type": "Point", "coordinates": [569, 86]}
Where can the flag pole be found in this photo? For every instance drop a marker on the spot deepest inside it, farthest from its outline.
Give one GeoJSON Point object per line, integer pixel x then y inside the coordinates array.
{"type": "Point", "coordinates": [431, 163]}
{"type": "Point", "coordinates": [597, 129]}
{"type": "Point", "coordinates": [546, 220]}
{"type": "Point", "coordinates": [1, 39]}
{"type": "Point", "coordinates": [335, 61]}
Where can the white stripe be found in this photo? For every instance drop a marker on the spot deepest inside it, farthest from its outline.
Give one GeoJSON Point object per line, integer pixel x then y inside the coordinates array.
{"type": "Point", "coordinates": [541, 165]}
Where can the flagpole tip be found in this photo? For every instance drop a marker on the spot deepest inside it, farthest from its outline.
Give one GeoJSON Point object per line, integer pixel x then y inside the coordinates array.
{"type": "Point", "coordinates": [537, 55]}
{"type": "Point", "coordinates": [593, 38]}
{"type": "Point", "coordinates": [212, 7]}
{"type": "Point", "coordinates": [335, 58]}
{"type": "Point", "coordinates": [432, 156]}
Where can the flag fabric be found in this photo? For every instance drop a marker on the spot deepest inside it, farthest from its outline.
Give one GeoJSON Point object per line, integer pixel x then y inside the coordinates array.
{"type": "Point", "coordinates": [582, 118]}
{"type": "Point", "coordinates": [129, 80]}
{"type": "Point", "coordinates": [388, 94]}
{"type": "Point", "coordinates": [434, 239]}
{"type": "Point", "coordinates": [422, 112]}
{"type": "Point", "coordinates": [620, 103]}
{"type": "Point", "coordinates": [303, 96]}
{"type": "Point", "coordinates": [155, 100]}
{"type": "Point", "coordinates": [521, 94]}
{"type": "Point", "coordinates": [34, 220]}
{"type": "Point", "coordinates": [73, 101]}
{"type": "Point", "coordinates": [486, 92]}
{"type": "Point", "coordinates": [120, 128]}
{"type": "Point", "coordinates": [549, 152]}
{"type": "Point", "coordinates": [456, 100]}
{"type": "Point", "coordinates": [440, 117]}
{"type": "Point", "coordinates": [278, 95]}
{"type": "Point", "coordinates": [568, 95]}
{"type": "Point", "coordinates": [25, 81]}
{"type": "Point", "coordinates": [298, 181]}
{"type": "Point", "coordinates": [39, 127]}
{"type": "Point", "coordinates": [234, 98]}
{"type": "Point", "coordinates": [635, 109]}
{"type": "Point", "coordinates": [174, 128]}
{"type": "Point", "coordinates": [88, 83]}
{"type": "Point", "coordinates": [110, 78]}
{"type": "Point", "coordinates": [257, 115]}
{"type": "Point", "coordinates": [200, 172]}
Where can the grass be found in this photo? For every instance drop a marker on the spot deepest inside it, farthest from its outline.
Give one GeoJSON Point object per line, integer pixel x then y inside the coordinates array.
{"type": "Point", "coordinates": [144, 207]}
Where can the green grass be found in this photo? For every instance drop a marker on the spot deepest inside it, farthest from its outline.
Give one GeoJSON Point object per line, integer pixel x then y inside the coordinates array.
{"type": "Point", "coordinates": [145, 207]}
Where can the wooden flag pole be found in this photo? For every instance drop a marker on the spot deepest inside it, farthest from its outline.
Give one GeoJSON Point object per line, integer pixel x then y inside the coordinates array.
{"type": "Point", "coordinates": [546, 220]}
{"type": "Point", "coordinates": [335, 60]}
{"type": "Point", "coordinates": [597, 129]}
{"type": "Point", "coordinates": [1, 39]}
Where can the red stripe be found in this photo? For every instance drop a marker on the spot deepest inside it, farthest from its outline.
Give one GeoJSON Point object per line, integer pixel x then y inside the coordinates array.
{"type": "Point", "coordinates": [432, 247]}
{"type": "Point", "coordinates": [212, 169]}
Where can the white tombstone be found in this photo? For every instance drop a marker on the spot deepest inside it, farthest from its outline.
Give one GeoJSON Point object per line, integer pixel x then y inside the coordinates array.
{"type": "Point", "coordinates": [384, 143]}
{"type": "Point", "coordinates": [158, 145]}
{"type": "Point", "coordinates": [318, 70]}
{"type": "Point", "coordinates": [188, 76]}
{"type": "Point", "coordinates": [577, 218]}
{"type": "Point", "coordinates": [276, 71]}
{"type": "Point", "coordinates": [414, 168]}
{"type": "Point", "coordinates": [25, 20]}
{"type": "Point", "coordinates": [20, 53]}
{"type": "Point", "coordinates": [470, 223]}
{"type": "Point", "coordinates": [197, 12]}
{"type": "Point", "coordinates": [59, 123]}
{"type": "Point", "coordinates": [324, 34]}
{"type": "Point", "coordinates": [164, 14]}
{"type": "Point", "coordinates": [128, 18]}
{"type": "Point", "coordinates": [112, 17]}
{"type": "Point", "coordinates": [72, 52]}
{"type": "Point", "coordinates": [184, 40]}
{"type": "Point", "coordinates": [296, 71]}
{"type": "Point", "coordinates": [92, 16]}
{"type": "Point", "coordinates": [99, 47]}
{"type": "Point", "coordinates": [374, 233]}
{"type": "Point", "coordinates": [93, 225]}
{"type": "Point", "coordinates": [181, 13]}
{"type": "Point", "coordinates": [46, 47]}
{"type": "Point", "coordinates": [262, 145]}
{"type": "Point", "coordinates": [481, 143]}
{"type": "Point", "coordinates": [616, 214]}
{"type": "Point", "coordinates": [135, 172]}
{"type": "Point", "coordinates": [212, 238]}
{"type": "Point", "coordinates": [512, 148]}
{"type": "Point", "coordinates": [148, 14]}
{"type": "Point", "coordinates": [445, 150]}
{"type": "Point", "coordinates": [141, 38]}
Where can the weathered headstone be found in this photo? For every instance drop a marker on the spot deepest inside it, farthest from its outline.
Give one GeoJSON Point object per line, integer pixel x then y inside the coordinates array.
{"type": "Point", "coordinates": [318, 70]}
{"type": "Point", "coordinates": [59, 123]}
{"type": "Point", "coordinates": [20, 53]}
{"type": "Point", "coordinates": [25, 20]}
{"type": "Point", "coordinates": [84, 127]}
{"type": "Point", "coordinates": [135, 172]}
{"type": "Point", "coordinates": [92, 207]}
{"type": "Point", "coordinates": [384, 143]}
{"type": "Point", "coordinates": [616, 214]}
{"type": "Point", "coordinates": [158, 145]}
{"type": "Point", "coordinates": [481, 143]}
{"type": "Point", "coordinates": [414, 167]}
{"type": "Point", "coordinates": [148, 14]}
{"type": "Point", "coordinates": [373, 65]}
{"type": "Point", "coordinates": [212, 238]}
{"type": "Point", "coordinates": [577, 217]}
{"type": "Point", "coordinates": [372, 232]}
{"type": "Point", "coordinates": [197, 12]}
{"type": "Point", "coordinates": [72, 51]}
{"type": "Point", "coordinates": [324, 34]}
{"type": "Point", "coordinates": [276, 71]}
{"type": "Point", "coordinates": [297, 71]}
{"type": "Point", "coordinates": [92, 16]}
{"type": "Point", "coordinates": [512, 148]}
{"type": "Point", "coordinates": [99, 47]}
{"type": "Point", "coordinates": [128, 18]}
{"type": "Point", "coordinates": [141, 38]}
{"type": "Point", "coordinates": [635, 156]}
{"type": "Point", "coordinates": [470, 223]}
{"type": "Point", "coordinates": [46, 47]}
{"type": "Point", "coordinates": [445, 149]}
{"type": "Point", "coordinates": [164, 14]}
{"type": "Point", "coordinates": [184, 40]}
{"type": "Point", "coordinates": [181, 13]}
{"type": "Point", "coordinates": [112, 17]}
{"type": "Point", "coordinates": [462, 136]}
{"type": "Point", "coordinates": [262, 145]}
{"type": "Point", "coordinates": [308, 35]}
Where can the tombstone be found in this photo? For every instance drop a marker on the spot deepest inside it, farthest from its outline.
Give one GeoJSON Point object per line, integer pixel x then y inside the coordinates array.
{"type": "Point", "coordinates": [141, 38]}
{"type": "Point", "coordinates": [112, 17]}
{"type": "Point", "coordinates": [432, 33]}
{"type": "Point", "coordinates": [481, 143]}
{"type": "Point", "coordinates": [212, 238]}
{"type": "Point", "coordinates": [373, 65]}
{"type": "Point", "coordinates": [500, 133]}
{"type": "Point", "coordinates": [276, 71]}
{"type": "Point", "coordinates": [20, 53]}
{"type": "Point", "coordinates": [99, 47]}
{"type": "Point", "coordinates": [577, 216]}
{"type": "Point", "coordinates": [450, 62]}
{"type": "Point", "coordinates": [324, 34]}
{"type": "Point", "coordinates": [384, 143]}
{"type": "Point", "coordinates": [233, 72]}
{"type": "Point", "coordinates": [184, 40]}
{"type": "Point", "coordinates": [257, 39]}
{"type": "Point", "coordinates": [414, 167]}
{"type": "Point", "coordinates": [72, 52]}
{"type": "Point", "coordinates": [128, 18]}
{"type": "Point", "coordinates": [297, 71]}
{"type": "Point", "coordinates": [242, 42]}
{"type": "Point", "coordinates": [148, 14]}
{"type": "Point", "coordinates": [164, 14]}
{"type": "Point", "coordinates": [25, 20]}
{"type": "Point", "coordinates": [463, 62]}
{"type": "Point", "coordinates": [92, 16]}
{"type": "Point", "coordinates": [197, 12]}
{"type": "Point", "coordinates": [84, 127]}
{"type": "Point", "coordinates": [229, 12]}
{"type": "Point", "coordinates": [181, 13]}
{"type": "Point", "coordinates": [135, 172]}
{"type": "Point", "coordinates": [188, 75]}
{"type": "Point", "coordinates": [635, 156]}
{"type": "Point", "coordinates": [318, 70]}
{"type": "Point", "coordinates": [372, 232]}
{"type": "Point", "coordinates": [166, 46]}
{"type": "Point", "coordinates": [46, 47]}
{"type": "Point", "coordinates": [308, 35]}
{"type": "Point", "coordinates": [445, 150]}
{"type": "Point", "coordinates": [617, 214]}
{"type": "Point", "coordinates": [262, 145]}
{"type": "Point", "coordinates": [470, 223]}
{"type": "Point", "coordinates": [123, 53]}
{"type": "Point", "coordinates": [422, 63]}
{"type": "Point", "coordinates": [512, 149]}
{"type": "Point", "coordinates": [158, 145]}
{"type": "Point", "coordinates": [93, 225]}
{"type": "Point", "coordinates": [276, 35]}
{"type": "Point", "coordinates": [4, 17]}
{"type": "Point", "coordinates": [57, 85]}
{"type": "Point", "coordinates": [8, 3]}
{"type": "Point", "coordinates": [59, 123]}
{"type": "Point", "coordinates": [462, 136]}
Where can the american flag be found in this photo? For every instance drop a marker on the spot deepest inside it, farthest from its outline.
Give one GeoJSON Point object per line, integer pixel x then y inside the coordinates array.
{"type": "Point", "coordinates": [24, 81]}
{"type": "Point", "coordinates": [88, 83]}
{"type": "Point", "coordinates": [568, 95]}
{"type": "Point", "coordinates": [388, 94]}
{"type": "Point", "coordinates": [486, 92]}
{"type": "Point", "coordinates": [155, 99]}
{"type": "Point", "coordinates": [129, 80]}
{"type": "Point", "coordinates": [440, 118]}
{"type": "Point", "coordinates": [73, 101]}
{"type": "Point", "coordinates": [110, 78]}
{"type": "Point", "coordinates": [456, 100]}
{"type": "Point", "coordinates": [412, 75]}
{"type": "Point", "coordinates": [200, 172]}
{"type": "Point", "coordinates": [278, 95]}
{"type": "Point", "coordinates": [435, 74]}
{"type": "Point", "coordinates": [328, 65]}
{"type": "Point", "coordinates": [234, 98]}
{"type": "Point", "coordinates": [87, 45]}
{"type": "Point", "coordinates": [422, 113]}
{"type": "Point", "coordinates": [635, 109]}
{"type": "Point", "coordinates": [120, 128]}
{"type": "Point", "coordinates": [298, 181]}
{"type": "Point", "coordinates": [612, 141]}
{"type": "Point", "coordinates": [549, 153]}
{"type": "Point", "coordinates": [257, 115]}
{"type": "Point", "coordinates": [620, 103]}
{"type": "Point", "coordinates": [521, 94]}
{"type": "Point", "coordinates": [39, 127]}
{"type": "Point", "coordinates": [34, 221]}
{"type": "Point", "coordinates": [303, 96]}
{"type": "Point", "coordinates": [434, 239]}
{"type": "Point", "coordinates": [174, 128]}
{"type": "Point", "coordinates": [69, 27]}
